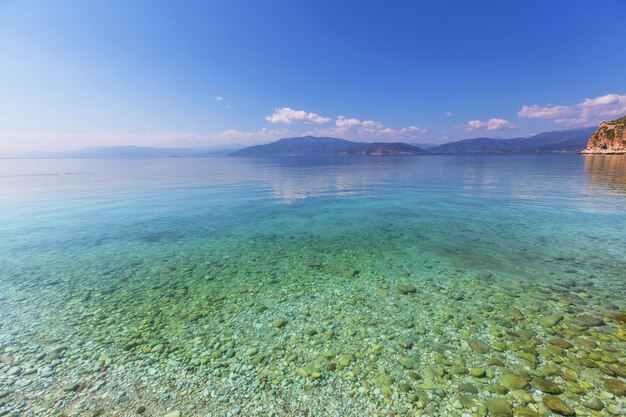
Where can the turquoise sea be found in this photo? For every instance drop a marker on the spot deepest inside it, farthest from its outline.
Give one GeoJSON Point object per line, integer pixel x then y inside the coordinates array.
{"type": "Point", "coordinates": [418, 285]}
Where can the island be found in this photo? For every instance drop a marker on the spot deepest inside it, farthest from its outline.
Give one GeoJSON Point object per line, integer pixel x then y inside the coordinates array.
{"type": "Point", "coordinates": [326, 146]}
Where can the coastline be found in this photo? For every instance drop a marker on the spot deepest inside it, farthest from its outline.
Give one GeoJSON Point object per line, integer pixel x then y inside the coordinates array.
{"type": "Point", "coordinates": [602, 152]}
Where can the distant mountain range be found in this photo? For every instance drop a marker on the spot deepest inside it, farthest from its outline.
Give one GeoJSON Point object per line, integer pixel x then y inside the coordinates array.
{"type": "Point", "coordinates": [563, 141]}
{"type": "Point", "coordinates": [130, 152]}
{"type": "Point", "coordinates": [424, 145]}
{"type": "Point", "coordinates": [323, 146]}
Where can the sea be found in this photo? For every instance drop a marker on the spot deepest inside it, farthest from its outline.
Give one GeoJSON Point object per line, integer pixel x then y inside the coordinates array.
{"type": "Point", "coordinates": [458, 285]}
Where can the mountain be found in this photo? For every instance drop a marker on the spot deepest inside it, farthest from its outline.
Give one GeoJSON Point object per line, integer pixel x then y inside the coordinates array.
{"type": "Point", "coordinates": [606, 140]}
{"type": "Point", "coordinates": [562, 141]}
{"type": "Point", "coordinates": [129, 152]}
{"type": "Point", "coordinates": [325, 146]}
{"type": "Point", "coordinates": [610, 138]}
{"type": "Point", "coordinates": [424, 145]}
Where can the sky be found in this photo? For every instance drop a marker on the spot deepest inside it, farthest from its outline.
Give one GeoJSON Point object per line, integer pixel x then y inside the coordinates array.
{"type": "Point", "coordinates": [231, 72]}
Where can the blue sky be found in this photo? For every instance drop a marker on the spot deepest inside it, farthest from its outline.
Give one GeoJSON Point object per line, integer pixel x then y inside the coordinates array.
{"type": "Point", "coordinates": [83, 73]}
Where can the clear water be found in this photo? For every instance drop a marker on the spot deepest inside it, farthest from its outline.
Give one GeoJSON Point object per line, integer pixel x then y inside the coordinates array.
{"type": "Point", "coordinates": [114, 252]}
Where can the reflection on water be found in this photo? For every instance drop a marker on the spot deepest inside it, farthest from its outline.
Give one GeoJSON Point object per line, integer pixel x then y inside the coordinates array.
{"type": "Point", "coordinates": [607, 171]}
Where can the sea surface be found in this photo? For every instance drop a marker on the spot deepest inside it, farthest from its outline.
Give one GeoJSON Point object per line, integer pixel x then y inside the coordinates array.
{"type": "Point", "coordinates": [412, 285]}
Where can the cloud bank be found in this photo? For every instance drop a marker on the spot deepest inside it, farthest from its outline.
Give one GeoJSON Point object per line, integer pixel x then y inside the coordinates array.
{"type": "Point", "coordinates": [344, 127]}
{"type": "Point", "coordinates": [547, 112]}
{"type": "Point", "coordinates": [589, 111]}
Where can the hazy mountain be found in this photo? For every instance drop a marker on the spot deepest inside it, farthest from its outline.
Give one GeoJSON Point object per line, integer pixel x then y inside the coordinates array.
{"type": "Point", "coordinates": [424, 145]}
{"type": "Point", "coordinates": [325, 146]}
{"type": "Point", "coordinates": [562, 141]}
{"type": "Point", "coordinates": [129, 152]}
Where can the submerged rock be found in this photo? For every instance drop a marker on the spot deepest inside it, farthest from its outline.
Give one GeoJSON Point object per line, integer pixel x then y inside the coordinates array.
{"type": "Point", "coordinates": [550, 320]}
{"type": "Point", "coordinates": [557, 405]}
{"type": "Point", "coordinates": [557, 341]}
{"type": "Point", "coordinates": [525, 412]}
{"type": "Point", "coordinates": [406, 289]}
{"type": "Point", "coordinates": [409, 362]}
{"type": "Point", "coordinates": [593, 404]}
{"type": "Point", "coordinates": [513, 382]}
{"type": "Point", "coordinates": [468, 388]}
{"type": "Point", "coordinates": [615, 387]}
{"type": "Point", "coordinates": [499, 407]}
{"type": "Point", "coordinates": [479, 346]}
{"type": "Point", "coordinates": [279, 323]}
{"type": "Point", "coordinates": [547, 386]}
{"type": "Point", "coordinates": [589, 321]}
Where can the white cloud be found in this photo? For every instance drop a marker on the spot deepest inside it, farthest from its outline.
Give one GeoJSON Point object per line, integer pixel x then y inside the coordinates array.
{"type": "Point", "coordinates": [550, 111]}
{"type": "Point", "coordinates": [219, 98]}
{"type": "Point", "coordinates": [491, 124]}
{"type": "Point", "coordinates": [449, 113]}
{"type": "Point", "coordinates": [371, 125]}
{"type": "Point", "coordinates": [474, 125]}
{"type": "Point", "coordinates": [345, 123]}
{"type": "Point", "coordinates": [499, 124]}
{"type": "Point", "coordinates": [603, 107]}
{"type": "Point", "coordinates": [289, 116]}
{"type": "Point", "coordinates": [572, 122]}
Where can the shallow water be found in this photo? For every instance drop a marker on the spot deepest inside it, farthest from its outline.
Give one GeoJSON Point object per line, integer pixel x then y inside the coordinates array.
{"type": "Point", "coordinates": [104, 259]}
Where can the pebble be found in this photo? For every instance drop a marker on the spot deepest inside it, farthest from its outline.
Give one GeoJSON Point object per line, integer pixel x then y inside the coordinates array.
{"type": "Point", "coordinates": [68, 387]}
{"type": "Point", "coordinates": [14, 371]}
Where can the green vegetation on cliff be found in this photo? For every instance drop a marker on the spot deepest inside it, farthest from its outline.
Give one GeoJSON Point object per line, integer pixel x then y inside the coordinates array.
{"type": "Point", "coordinates": [621, 120]}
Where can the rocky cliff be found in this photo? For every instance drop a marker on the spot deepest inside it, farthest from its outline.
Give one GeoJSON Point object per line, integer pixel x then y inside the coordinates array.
{"type": "Point", "coordinates": [610, 138]}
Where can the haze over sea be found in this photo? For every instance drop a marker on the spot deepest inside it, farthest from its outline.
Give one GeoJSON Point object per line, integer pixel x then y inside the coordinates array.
{"type": "Point", "coordinates": [333, 285]}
